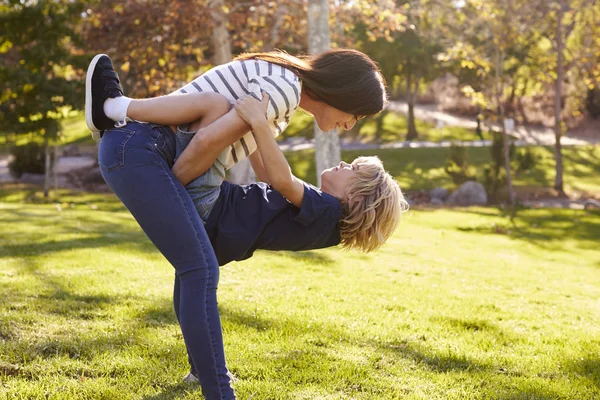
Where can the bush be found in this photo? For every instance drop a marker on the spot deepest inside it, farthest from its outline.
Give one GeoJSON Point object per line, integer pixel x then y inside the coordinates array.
{"type": "Point", "coordinates": [592, 102]}
{"type": "Point", "coordinates": [526, 160]}
{"type": "Point", "coordinates": [457, 165]}
{"type": "Point", "coordinates": [494, 175]}
{"type": "Point", "coordinates": [28, 158]}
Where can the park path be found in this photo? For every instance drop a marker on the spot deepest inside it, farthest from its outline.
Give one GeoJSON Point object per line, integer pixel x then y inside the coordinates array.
{"type": "Point", "coordinates": [534, 135]}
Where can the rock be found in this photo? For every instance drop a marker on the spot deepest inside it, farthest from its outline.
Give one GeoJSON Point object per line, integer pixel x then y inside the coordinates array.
{"type": "Point", "coordinates": [436, 202]}
{"type": "Point", "coordinates": [591, 204]}
{"type": "Point", "coordinates": [469, 194]}
{"type": "Point", "coordinates": [66, 165]}
{"type": "Point", "coordinates": [71, 151]}
{"type": "Point", "coordinates": [36, 179]}
{"type": "Point", "coordinates": [438, 193]}
{"type": "Point", "coordinates": [94, 177]}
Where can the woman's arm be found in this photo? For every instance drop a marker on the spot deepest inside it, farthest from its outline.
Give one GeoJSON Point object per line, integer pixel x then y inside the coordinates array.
{"type": "Point", "coordinates": [276, 166]}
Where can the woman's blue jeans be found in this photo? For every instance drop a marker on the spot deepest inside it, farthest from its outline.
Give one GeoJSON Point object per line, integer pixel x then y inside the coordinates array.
{"type": "Point", "coordinates": [136, 162]}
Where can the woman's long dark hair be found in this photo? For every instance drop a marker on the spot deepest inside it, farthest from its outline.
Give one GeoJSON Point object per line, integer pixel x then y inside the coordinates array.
{"type": "Point", "coordinates": [342, 78]}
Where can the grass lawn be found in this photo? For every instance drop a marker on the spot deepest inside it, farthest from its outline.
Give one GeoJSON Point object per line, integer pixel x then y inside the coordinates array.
{"type": "Point", "coordinates": [424, 168]}
{"type": "Point", "coordinates": [74, 130]}
{"type": "Point", "coordinates": [393, 129]}
{"type": "Point", "coordinates": [459, 304]}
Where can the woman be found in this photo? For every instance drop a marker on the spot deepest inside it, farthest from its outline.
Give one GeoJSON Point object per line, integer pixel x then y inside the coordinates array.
{"type": "Point", "coordinates": [136, 162]}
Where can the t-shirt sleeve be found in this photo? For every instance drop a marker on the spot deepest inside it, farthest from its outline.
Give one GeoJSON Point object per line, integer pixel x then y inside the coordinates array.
{"type": "Point", "coordinates": [316, 204]}
{"type": "Point", "coordinates": [284, 95]}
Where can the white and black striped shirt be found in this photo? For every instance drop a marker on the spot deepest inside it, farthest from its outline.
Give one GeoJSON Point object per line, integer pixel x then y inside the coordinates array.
{"type": "Point", "coordinates": [239, 78]}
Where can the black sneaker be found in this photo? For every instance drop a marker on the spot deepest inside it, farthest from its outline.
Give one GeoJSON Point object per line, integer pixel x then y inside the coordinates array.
{"type": "Point", "coordinates": [101, 82]}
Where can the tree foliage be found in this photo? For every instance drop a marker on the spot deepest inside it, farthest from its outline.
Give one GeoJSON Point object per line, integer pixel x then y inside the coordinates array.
{"type": "Point", "coordinates": [40, 65]}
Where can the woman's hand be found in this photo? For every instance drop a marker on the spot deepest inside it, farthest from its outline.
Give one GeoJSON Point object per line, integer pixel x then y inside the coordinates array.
{"type": "Point", "coordinates": [252, 111]}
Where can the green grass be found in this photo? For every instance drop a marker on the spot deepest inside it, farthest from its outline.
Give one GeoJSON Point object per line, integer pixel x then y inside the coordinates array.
{"type": "Point", "coordinates": [73, 131]}
{"type": "Point", "coordinates": [393, 129]}
{"type": "Point", "coordinates": [459, 304]}
{"type": "Point", "coordinates": [424, 168]}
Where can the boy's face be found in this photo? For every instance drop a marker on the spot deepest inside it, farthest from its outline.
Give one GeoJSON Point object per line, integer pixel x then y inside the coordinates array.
{"type": "Point", "coordinates": [336, 180]}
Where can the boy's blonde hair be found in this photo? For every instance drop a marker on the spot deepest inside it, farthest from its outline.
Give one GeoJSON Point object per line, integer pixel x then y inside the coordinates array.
{"type": "Point", "coordinates": [373, 207]}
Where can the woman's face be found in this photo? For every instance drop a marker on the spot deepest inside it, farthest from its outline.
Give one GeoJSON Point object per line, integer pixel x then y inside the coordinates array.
{"type": "Point", "coordinates": [329, 118]}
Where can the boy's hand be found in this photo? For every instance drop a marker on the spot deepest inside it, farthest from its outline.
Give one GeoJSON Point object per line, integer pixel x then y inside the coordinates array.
{"type": "Point", "coordinates": [251, 110]}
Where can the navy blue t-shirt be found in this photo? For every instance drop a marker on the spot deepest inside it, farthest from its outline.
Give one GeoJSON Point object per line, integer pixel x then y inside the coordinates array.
{"type": "Point", "coordinates": [256, 216]}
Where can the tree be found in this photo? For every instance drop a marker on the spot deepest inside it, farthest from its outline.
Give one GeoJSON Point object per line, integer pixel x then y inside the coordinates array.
{"type": "Point", "coordinates": [241, 173]}
{"type": "Point", "coordinates": [564, 16]}
{"type": "Point", "coordinates": [419, 45]}
{"type": "Point", "coordinates": [156, 45]}
{"type": "Point", "coordinates": [492, 44]}
{"type": "Point", "coordinates": [328, 151]}
{"type": "Point", "coordinates": [40, 68]}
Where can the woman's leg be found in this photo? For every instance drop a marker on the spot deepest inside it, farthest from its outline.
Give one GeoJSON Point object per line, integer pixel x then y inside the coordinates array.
{"type": "Point", "coordinates": [136, 163]}
{"type": "Point", "coordinates": [210, 116]}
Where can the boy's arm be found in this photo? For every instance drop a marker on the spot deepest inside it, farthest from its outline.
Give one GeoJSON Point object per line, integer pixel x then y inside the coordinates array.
{"type": "Point", "coordinates": [276, 166]}
{"type": "Point", "coordinates": [259, 167]}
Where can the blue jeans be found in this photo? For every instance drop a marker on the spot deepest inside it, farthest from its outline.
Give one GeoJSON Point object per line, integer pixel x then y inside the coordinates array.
{"type": "Point", "coordinates": [136, 162]}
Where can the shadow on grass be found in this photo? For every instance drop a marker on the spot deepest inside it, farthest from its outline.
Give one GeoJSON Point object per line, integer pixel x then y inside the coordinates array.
{"type": "Point", "coordinates": [431, 360]}
{"type": "Point", "coordinates": [96, 232]}
{"type": "Point", "coordinates": [158, 314]}
{"type": "Point", "coordinates": [545, 228]}
{"type": "Point", "coordinates": [329, 335]}
{"type": "Point", "coordinates": [528, 393]}
{"type": "Point", "coordinates": [64, 303]}
{"type": "Point", "coordinates": [314, 257]}
{"type": "Point", "coordinates": [587, 367]}
{"type": "Point", "coordinates": [319, 343]}
{"type": "Point", "coordinates": [170, 392]}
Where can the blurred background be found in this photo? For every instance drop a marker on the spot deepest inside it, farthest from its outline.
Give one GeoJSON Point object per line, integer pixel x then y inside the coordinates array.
{"type": "Point", "coordinates": [503, 92]}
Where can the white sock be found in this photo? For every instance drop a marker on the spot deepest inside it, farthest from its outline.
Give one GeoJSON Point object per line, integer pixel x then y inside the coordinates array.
{"type": "Point", "coordinates": [116, 108]}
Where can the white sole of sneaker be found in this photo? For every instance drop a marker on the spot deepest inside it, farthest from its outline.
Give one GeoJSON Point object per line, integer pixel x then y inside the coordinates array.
{"type": "Point", "coordinates": [88, 97]}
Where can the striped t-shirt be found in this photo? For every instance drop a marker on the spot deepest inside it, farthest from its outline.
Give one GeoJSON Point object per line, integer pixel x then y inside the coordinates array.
{"type": "Point", "coordinates": [239, 78]}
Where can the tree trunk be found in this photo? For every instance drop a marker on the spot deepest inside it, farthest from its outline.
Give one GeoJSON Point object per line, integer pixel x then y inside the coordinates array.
{"type": "Point", "coordinates": [46, 165]}
{"type": "Point", "coordinates": [412, 133]}
{"type": "Point", "coordinates": [558, 180]}
{"type": "Point", "coordinates": [379, 125]}
{"type": "Point", "coordinates": [54, 164]}
{"type": "Point", "coordinates": [499, 68]}
{"type": "Point", "coordinates": [328, 151]}
{"type": "Point", "coordinates": [220, 36]}
{"type": "Point", "coordinates": [242, 172]}
{"type": "Point", "coordinates": [520, 107]}
{"type": "Point", "coordinates": [280, 13]}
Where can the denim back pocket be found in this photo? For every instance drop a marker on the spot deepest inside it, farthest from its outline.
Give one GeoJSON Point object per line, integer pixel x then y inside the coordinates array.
{"type": "Point", "coordinates": [165, 146]}
{"type": "Point", "coordinates": [111, 154]}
